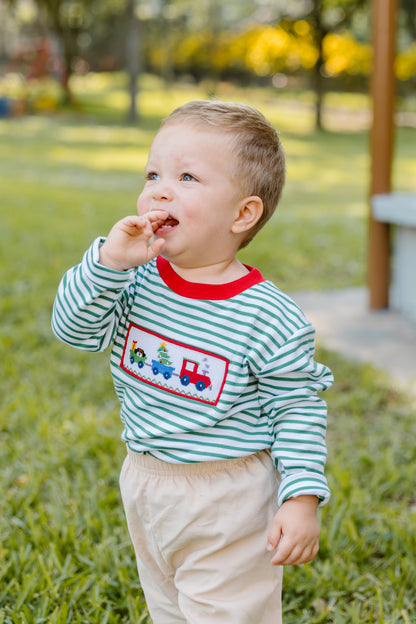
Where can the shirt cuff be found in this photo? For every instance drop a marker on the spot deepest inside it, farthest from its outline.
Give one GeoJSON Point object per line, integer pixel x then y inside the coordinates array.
{"type": "Point", "coordinates": [304, 483]}
{"type": "Point", "coordinates": [101, 276]}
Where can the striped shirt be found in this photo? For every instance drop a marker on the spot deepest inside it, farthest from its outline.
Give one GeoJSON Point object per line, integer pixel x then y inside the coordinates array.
{"type": "Point", "coordinates": [203, 371]}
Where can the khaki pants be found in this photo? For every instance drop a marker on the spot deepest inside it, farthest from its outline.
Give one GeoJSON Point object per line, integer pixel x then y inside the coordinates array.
{"type": "Point", "coordinates": [199, 532]}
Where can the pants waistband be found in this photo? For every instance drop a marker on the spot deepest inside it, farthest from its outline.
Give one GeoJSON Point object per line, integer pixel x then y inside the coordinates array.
{"type": "Point", "coordinates": [148, 463]}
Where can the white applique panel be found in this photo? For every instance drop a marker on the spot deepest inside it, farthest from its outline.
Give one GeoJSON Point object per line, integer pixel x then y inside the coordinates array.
{"type": "Point", "coordinates": [173, 366]}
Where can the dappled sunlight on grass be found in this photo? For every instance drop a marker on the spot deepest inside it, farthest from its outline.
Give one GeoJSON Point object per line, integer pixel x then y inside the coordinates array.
{"type": "Point", "coordinates": [96, 93]}
{"type": "Point", "coordinates": [119, 100]}
{"type": "Point", "coordinates": [308, 248]}
{"type": "Point", "coordinates": [298, 147]}
{"type": "Point", "coordinates": [108, 159]}
{"type": "Point", "coordinates": [101, 82]}
{"type": "Point", "coordinates": [285, 116]}
{"type": "Point", "coordinates": [162, 102]}
{"type": "Point", "coordinates": [104, 134]}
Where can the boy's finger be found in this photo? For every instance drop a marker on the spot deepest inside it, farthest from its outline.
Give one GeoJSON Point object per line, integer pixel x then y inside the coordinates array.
{"type": "Point", "coordinates": [283, 553]}
{"type": "Point", "coordinates": [132, 223]}
{"type": "Point", "coordinates": [154, 215]}
{"type": "Point", "coordinates": [275, 535]}
{"type": "Point", "coordinates": [155, 248]}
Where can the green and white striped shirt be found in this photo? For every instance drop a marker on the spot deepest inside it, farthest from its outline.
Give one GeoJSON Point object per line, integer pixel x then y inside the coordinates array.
{"type": "Point", "coordinates": [203, 372]}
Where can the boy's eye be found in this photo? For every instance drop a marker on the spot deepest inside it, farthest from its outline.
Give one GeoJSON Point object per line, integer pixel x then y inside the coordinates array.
{"type": "Point", "coordinates": [187, 177]}
{"type": "Point", "coordinates": [152, 175]}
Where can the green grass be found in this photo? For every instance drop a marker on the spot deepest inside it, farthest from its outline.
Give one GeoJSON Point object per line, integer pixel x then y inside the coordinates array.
{"type": "Point", "coordinates": [65, 554]}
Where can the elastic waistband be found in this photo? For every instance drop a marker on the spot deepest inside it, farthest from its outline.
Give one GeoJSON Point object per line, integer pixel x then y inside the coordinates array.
{"type": "Point", "coordinates": [150, 464]}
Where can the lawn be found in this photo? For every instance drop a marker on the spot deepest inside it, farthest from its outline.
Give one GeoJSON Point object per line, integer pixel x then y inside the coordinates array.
{"type": "Point", "coordinates": [65, 556]}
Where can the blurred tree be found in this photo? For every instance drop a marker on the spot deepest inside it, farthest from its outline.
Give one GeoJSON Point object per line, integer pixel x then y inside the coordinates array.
{"type": "Point", "coordinates": [325, 16]}
{"type": "Point", "coordinates": [69, 21]}
{"type": "Point", "coordinates": [408, 8]}
{"type": "Point", "coordinates": [81, 25]}
{"type": "Point", "coordinates": [263, 37]}
{"type": "Point", "coordinates": [184, 39]}
{"type": "Point", "coordinates": [167, 39]}
{"type": "Point", "coordinates": [66, 19]}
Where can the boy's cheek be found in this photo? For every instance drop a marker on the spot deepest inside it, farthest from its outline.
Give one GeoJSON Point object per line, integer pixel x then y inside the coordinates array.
{"type": "Point", "coordinates": [143, 205]}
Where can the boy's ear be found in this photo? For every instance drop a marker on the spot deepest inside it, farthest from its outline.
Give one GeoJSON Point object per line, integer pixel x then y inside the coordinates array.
{"type": "Point", "coordinates": [250, 212]}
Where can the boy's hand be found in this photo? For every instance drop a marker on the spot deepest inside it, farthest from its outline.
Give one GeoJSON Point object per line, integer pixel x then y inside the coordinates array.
{"type": "Point", "coordinates": [295, 531]}
{"type": "Point", "coordinates": [127, 245]}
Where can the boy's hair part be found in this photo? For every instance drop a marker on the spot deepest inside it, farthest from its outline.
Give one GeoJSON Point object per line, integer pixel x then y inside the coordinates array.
{"type": "Point", "coordinates": [260, 166]}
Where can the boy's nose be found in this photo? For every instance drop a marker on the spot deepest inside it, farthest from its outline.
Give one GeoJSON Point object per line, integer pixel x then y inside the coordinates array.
{"type": "Point", "coordinates": [162, 192]}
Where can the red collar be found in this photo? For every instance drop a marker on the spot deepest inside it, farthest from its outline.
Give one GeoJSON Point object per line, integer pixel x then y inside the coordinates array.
{"type": "Point", "coordinates": [194, 290]}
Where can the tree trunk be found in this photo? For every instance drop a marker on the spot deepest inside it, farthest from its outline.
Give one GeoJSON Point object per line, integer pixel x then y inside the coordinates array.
{"type": "Point", "coordinates": [318, 78]}
{"type": "Point", "coordinates": [319, 93]}
{"type": "Point", "coordinates": [67, 42]}
{"type": "Point", "coordinates": [133, 57]}
{"type": "Point", "coordinates": [214, 25]}
{"type": "Point", "coordinates": [69, 55]}
{"type": "Point", "coordinates": [167, 41]}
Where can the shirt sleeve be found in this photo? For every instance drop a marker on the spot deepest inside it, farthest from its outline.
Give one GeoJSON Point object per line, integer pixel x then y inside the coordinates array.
{"type": "Point", "coordinates": [90, 301]}
{"type": "Point", "coordinates": [289, 380]}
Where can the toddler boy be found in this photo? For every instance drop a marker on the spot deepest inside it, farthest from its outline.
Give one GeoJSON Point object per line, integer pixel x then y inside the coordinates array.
{"type": "Point", "coordinates": [214, 368]}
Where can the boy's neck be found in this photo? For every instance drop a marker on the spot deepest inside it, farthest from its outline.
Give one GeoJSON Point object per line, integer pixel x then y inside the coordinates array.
{"type": "Point", "coordinates": [219, 273]}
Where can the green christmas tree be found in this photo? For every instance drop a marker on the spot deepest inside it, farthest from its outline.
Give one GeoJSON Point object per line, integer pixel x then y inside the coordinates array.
{"type": "Point", "coordinates": [163, 355]}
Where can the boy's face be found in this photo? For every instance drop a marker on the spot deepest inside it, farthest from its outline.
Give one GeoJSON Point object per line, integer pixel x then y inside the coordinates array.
{"type": "Point", "coordinates": [189, 175]}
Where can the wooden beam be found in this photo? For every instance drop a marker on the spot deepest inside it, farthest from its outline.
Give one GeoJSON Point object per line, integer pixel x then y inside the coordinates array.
{"type": "Point", "coordinates": [382, 136]}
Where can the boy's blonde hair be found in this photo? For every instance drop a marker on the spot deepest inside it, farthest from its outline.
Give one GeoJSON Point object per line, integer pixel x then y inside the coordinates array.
{"type": "Point", "coordinates": [260, 162]}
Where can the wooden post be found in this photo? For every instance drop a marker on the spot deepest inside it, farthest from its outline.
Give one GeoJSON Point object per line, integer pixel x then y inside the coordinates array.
{"type": "Point", "coordinates": [383, 95]}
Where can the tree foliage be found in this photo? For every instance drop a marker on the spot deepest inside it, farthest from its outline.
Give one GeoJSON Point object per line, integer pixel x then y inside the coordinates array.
{"type": "Point", "coordinates": [242, 40]}
{"type": "Point", "coordinates": [266, 50]}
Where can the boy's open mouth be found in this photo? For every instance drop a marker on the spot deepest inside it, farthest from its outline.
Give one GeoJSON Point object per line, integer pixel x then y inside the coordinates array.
{"type": "Point", "coordinates": [169, 223]}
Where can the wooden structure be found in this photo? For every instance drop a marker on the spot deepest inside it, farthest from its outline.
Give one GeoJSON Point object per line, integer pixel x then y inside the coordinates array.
{"type": "Point", "coordinates": [382, 134]}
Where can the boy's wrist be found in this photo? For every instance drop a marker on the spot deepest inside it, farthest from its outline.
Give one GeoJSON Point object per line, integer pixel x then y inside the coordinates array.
{"type": "Point", "coordinates": [309, 499]}
{"type": "Point", "coordinates": [107, 261]}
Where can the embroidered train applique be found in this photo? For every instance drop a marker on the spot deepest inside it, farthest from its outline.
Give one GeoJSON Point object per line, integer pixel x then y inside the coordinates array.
{"type": "Point", "coordinates": [173, 366]}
